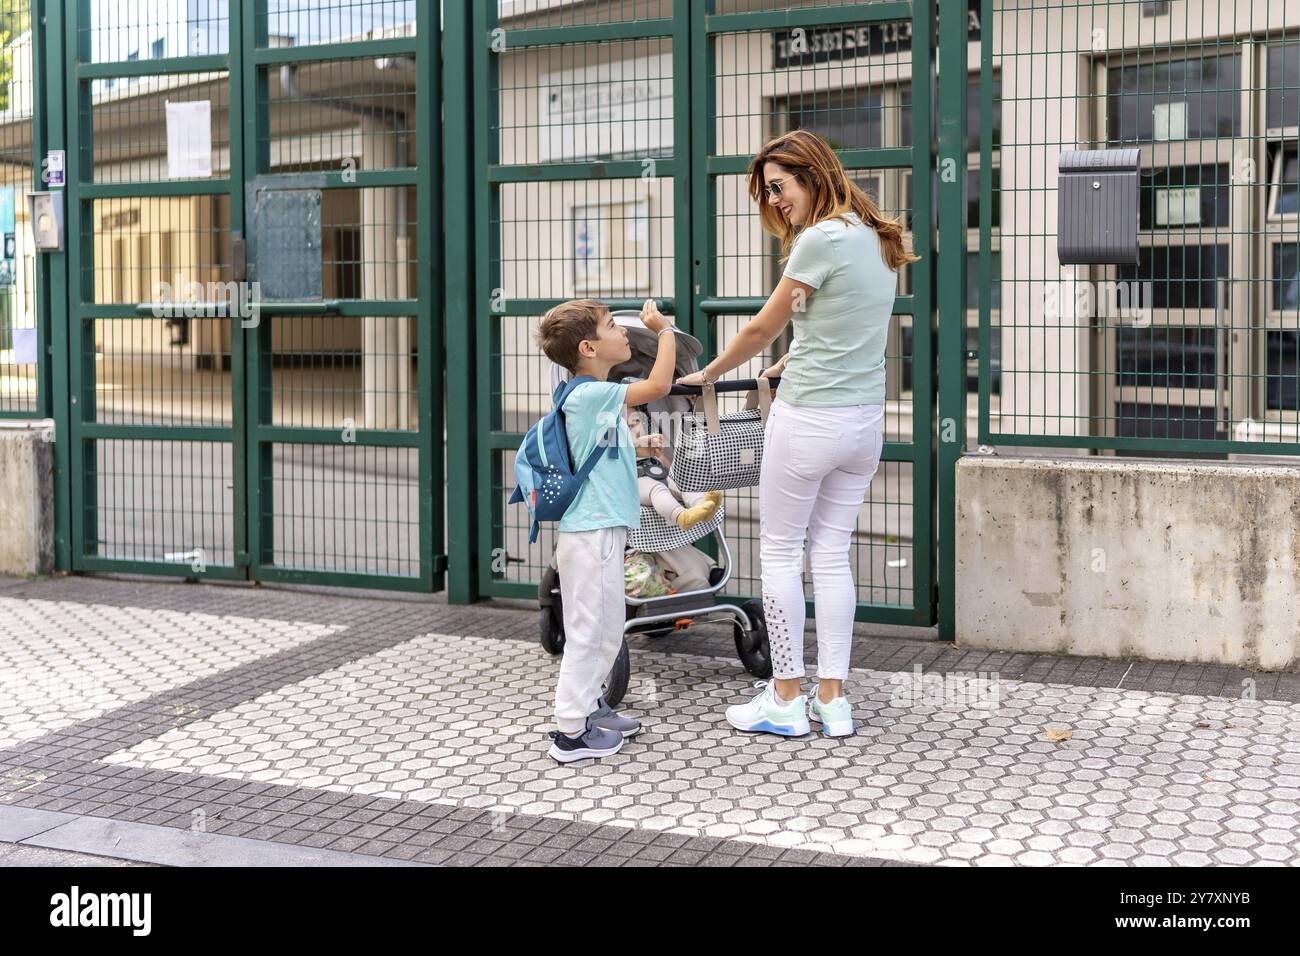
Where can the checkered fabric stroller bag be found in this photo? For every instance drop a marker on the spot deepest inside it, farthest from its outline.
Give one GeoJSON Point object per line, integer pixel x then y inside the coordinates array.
{"type": "Point", "coordinates": [721, 452]}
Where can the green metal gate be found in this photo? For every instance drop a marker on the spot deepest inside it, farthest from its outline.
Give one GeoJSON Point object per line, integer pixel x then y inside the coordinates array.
{"type": "Point", "coordinates": [610, 146]}
{"type": "Point", "coordinates": [255, 352]}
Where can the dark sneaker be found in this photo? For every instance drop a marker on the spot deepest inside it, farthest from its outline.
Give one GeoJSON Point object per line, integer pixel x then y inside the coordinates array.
{"type": "Point", "coordinates": [593, 742]}
{"type": "Point", "coordinates": [607, 718]}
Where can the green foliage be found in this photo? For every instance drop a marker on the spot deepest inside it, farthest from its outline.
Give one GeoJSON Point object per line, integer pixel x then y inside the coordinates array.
{"type": "Point", "coordinates": [15, 20]}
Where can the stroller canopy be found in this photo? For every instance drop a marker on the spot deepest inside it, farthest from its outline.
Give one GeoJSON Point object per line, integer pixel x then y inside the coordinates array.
{"type": "Point", "coordinates": [645, 346]}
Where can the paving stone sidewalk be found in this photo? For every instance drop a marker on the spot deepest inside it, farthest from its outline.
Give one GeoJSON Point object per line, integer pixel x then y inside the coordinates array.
{"type": "Point", "coordinates": [403, 728]}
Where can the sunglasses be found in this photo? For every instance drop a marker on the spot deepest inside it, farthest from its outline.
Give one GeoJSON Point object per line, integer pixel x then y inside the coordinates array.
{"type": "Point", "coordinates": [773, 188]}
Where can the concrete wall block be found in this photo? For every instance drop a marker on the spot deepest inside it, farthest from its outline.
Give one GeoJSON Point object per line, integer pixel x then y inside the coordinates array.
{"type": "Point", "coordinates": [1164, 560]}
{"type": "Point", "coordinates": [26, 498]}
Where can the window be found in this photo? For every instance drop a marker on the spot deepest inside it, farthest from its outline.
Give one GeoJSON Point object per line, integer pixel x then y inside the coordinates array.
{"type": "Point", "coordinates": [1195, 98]}
{"type": "Point", "coordinates": [868, 181]}
{"type": "Point", "coordinates": [1169, 357]}
{"type": "Point", "coordinates": [1181, 196]}
{"type": "Point", "coordinates": [973, 199]}
{"type": "Point", "coordinates": [1280, 253]}
{"type": "Point", "coordinates": [973, 116]}
{"type": "Point", "coordinates": [847, 119]}
{"type": "Point", "coordinates": [1282, 110]}
{"type": "Point", "coordinates": [1286, 277]}
{"type": "Point", "coordinates": [158, 49]}
{"type": "Point", "coordinates": [1165, 421]}
{"type": "Point", "coordinates": [1282, 379]}
{"type": "Point", "coordinates": [1285, 194]}
{"type": "Point", "coordinates": [1181, 277]}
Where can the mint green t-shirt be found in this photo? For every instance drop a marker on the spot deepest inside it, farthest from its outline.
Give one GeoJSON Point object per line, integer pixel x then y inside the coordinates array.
{"type": "Point", "coordinates": [837, 356]}
{"type": "Point", "coordinates": [609, 497]}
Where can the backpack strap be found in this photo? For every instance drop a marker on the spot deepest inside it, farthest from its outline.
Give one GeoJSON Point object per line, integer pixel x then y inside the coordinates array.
{"type": "Point", "coordinates": [581, 475]}
{"type": "Point", "coordinates": [566, 389]}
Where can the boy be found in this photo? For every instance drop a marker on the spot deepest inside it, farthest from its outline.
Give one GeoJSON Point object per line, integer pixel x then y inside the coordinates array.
{"type": "Point", "coordinates": [582, 337]}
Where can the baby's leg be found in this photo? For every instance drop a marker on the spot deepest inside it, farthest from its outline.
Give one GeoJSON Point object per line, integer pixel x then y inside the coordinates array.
{"type": "Point", "coordinates": [656, 495]}
{"type": "Point", "coordinates": [701, 507]}
{"type": "Point", "coordinates": [689, 498]}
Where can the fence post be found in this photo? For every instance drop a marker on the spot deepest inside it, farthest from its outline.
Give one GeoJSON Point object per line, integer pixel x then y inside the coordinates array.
{"type": "Point", "coordinates": [51, 288]}
{"type": "Point", "coordinates": [950, 295]}
{"type": "Point", "coordinates": [460, 313]}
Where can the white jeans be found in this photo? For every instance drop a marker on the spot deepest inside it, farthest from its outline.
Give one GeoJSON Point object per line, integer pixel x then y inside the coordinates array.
{"type": "Point", "coordinates": [817, 466]}
{"type": "Point", "coordinates": [591, 583]}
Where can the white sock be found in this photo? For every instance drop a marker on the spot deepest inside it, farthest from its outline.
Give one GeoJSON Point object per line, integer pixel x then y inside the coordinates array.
{"type": "Point", "coordinates": [776, 696]}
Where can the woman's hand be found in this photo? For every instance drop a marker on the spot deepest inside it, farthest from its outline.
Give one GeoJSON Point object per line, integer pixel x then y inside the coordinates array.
{"type": "Point", "coordinates": [776, 371]}
{"type": "Point", "coordinates": [695, 378]}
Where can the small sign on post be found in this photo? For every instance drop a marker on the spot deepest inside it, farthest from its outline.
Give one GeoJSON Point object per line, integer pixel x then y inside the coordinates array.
{"type": "Point", "coordinates": [55, 164]}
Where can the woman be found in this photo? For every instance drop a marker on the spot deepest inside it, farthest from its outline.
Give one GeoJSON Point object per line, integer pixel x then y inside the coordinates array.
{"type": "Point", "coordinates": [825, 432]}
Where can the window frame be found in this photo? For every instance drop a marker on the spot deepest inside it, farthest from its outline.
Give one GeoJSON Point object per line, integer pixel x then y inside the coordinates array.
{"type": "Point", "coordinates": [1284, 151]}
{"type": "Point", "coordinates": [1278, 229]}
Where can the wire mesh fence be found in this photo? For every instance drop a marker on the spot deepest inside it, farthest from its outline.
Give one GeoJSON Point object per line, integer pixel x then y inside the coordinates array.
{"type": "Point", "coordinates": [21, 340]}
{"type": "Point", "coordinates": [1194, 346]}
{"type": "Point", "coordinates": [584, 192]}
{"type": "Point", "coordinates": [248, 186]}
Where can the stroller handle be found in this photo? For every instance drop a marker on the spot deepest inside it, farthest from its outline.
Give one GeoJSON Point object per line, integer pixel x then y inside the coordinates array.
{"type": "Point", "coordinates": [735, 385]}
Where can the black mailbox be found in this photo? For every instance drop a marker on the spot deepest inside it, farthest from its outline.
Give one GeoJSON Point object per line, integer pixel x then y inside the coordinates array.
{"type": "Point", "coordinates": [1097, 207]}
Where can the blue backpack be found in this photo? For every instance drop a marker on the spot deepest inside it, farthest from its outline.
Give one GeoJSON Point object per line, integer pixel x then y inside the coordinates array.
{"type": "Point", "coordinates": [544, 473]}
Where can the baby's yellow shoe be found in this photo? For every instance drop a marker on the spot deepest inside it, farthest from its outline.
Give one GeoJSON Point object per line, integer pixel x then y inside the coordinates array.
{"type": "Point", "coordinates": [705, 510]}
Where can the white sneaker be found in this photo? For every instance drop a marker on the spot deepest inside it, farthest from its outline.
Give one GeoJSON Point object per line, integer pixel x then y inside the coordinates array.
{"type": "Point", "coordinates": [836, 717]}
{"type": "Point", "coordinates": [765, 714]}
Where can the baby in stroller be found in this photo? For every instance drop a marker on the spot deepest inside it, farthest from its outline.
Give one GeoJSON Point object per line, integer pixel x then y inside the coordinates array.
{"type": "Point", "coordinates": [656, 485]}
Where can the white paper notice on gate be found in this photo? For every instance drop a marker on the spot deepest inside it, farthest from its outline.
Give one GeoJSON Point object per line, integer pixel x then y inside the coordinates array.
{"type": "Point", "coordinates": [189, 140]}
{"type": "Point", "coordinates": [24, 346]}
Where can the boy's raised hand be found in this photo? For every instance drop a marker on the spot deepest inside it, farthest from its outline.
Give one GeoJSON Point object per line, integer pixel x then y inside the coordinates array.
{"type": "Point", "coordinates": [660, 382]}
{"type": "Point", "coordinates": [653, 319]}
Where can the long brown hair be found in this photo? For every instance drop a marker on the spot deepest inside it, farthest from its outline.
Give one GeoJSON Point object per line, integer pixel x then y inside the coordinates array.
{"type": "Point", "coordinates": [814, 164]}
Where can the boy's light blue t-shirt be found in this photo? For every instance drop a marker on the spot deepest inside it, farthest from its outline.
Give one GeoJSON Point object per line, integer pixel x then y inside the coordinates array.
{"type": "Point", "coordinates": [609, 497]}
{"type": "Point", "coordinates": [837, 356]}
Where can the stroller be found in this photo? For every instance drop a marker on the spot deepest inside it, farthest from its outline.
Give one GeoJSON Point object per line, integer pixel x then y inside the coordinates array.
{"type": "Point", "coordinates": [659, 616]}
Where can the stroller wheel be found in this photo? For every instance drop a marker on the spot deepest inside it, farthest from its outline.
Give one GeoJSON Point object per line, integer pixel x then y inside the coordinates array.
{"type": "Point", "coordinates": [550, 632]}
{"type": "Point", "coordinates": [751, 645]}
{"type": "Point", "coordinates": [551, 619]}
{"type": "Point", "coordinates": [615, 687]}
